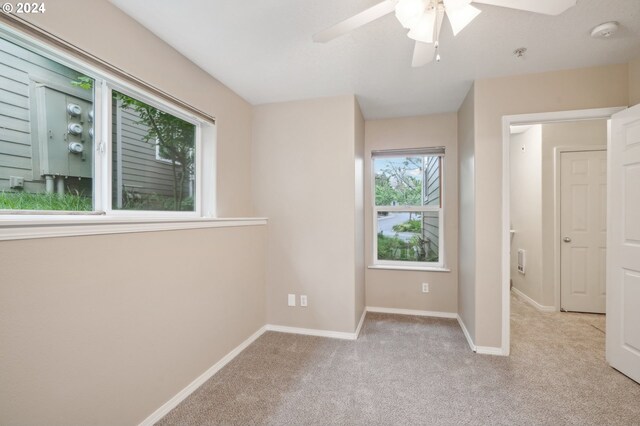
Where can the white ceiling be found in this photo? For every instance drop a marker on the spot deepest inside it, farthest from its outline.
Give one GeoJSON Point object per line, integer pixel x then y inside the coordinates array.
{"type": "Point", "coordinates": [262, 49]}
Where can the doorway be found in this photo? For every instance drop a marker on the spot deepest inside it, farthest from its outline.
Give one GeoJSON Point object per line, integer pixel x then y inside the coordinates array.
{"type": "Point", "coordinates": [548, 286]}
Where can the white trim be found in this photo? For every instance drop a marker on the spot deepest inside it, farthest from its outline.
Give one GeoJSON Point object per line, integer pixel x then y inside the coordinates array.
{"type": "Point", "coordinates": [408, 265]}
{"type": "Point", "coordinates": [435, 314]}
{"type": "Point", "coordinates": [542, 308]}
{"type": "Point", "coordinates": [507, 121]}
{"type": "Point", "coordinates": [105, 83]}
{"type": "Point", "coordinates": [199, 381]}
{"type": "Point", "coordinates": [490, 350]}
{"type": "Point", "coordinates": [557, 151]}
{"type": "Point", "coordinates": [409, 268]}
{"type": "Point", "coordinates": [312, 332]}
{"type": "Point", "coordinates": [466, 333]}
{"type": "Point", "coordinates": [359, 327]}
{"type": "Point", "coordinates": [16, 229]}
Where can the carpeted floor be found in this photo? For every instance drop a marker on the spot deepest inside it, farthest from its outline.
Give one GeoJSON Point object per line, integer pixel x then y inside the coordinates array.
{"type": "Point", "coordinates": [406, 370]}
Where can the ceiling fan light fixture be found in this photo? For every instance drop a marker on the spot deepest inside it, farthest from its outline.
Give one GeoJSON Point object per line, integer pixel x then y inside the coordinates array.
{"type": "Point", "coordinates": [424, 27]}
{"type": "Point", "coordinates": [456, 4]}
{"type": "Point", "coordinates": [461, 17]}
{"type": "Point", "coordinates": [409, 12]}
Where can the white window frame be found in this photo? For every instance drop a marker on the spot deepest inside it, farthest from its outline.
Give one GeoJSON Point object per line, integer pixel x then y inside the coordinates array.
{"type": "Point", "coordinates": [403, 264]}
{"type": "Point", "coordinates": [103, 211]}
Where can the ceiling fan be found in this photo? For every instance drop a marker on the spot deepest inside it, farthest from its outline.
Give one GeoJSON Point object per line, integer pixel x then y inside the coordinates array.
{"type": "Point", "coordinates": [423, 19]}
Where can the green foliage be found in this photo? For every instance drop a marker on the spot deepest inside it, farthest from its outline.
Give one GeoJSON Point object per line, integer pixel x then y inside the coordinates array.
{"type": "Point", "coordinates": [414, 250]}
{"type": "Point", "coordinates": [174, 137]}
{"type": "Point", "coordinates": [83, 82]}
{"type": "Point", "coordinates": [395, 184]}
{"type": "Point", "coordinates": [409, 226]}
{"type": "Point", "coordinates": [39, 201]}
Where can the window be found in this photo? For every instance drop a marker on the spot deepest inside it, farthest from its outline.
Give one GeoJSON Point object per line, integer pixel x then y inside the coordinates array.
{"type": "Point", "coordinates": [143, 135]}
{"type": "Point", "coordinates": [407, 211]}
{"type": "Point", "coordinates": [56, 153]}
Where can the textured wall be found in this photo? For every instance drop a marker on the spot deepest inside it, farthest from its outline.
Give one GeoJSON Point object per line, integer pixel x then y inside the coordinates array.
{"type": "Point", "coordinates": [526, 209]}
{"type": "Point", "coordinates": [402, 289]}
{"type": "Point", "coordinates": [303, 170]}
{"type": "Point", "coordinates": [571, 133]}
{"type": "Point", "coordinates": [467, 214]}
{"type": "Point", "coordinates": [585, 88]}
{"type": "Point", "coordinates": [106, 329]}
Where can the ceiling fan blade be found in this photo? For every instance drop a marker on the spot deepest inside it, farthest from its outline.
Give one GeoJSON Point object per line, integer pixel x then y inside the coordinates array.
{"type": "Point", "coordinates": [461, 17]}
{"type": "Point", "coordinates": [356, 21]}
{"type": "Point", "coordinates": [424, 28]}
{"type": "Point", "coordinates": [546, 7]}
{"type": "Point", "coordinates": [423, 54]}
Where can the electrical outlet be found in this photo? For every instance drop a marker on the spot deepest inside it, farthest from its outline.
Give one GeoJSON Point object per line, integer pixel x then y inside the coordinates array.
{"type": "Point", "coordinates": [425, 287]}
{"type": "Point", "coordinates": [292, 300]}
{"type": "Point", "coordinates": [303, 300]}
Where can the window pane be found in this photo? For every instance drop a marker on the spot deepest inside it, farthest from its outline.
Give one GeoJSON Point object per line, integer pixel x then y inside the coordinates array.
{"type": "Point", "coordinates": [153, 158]}
{"type": "Point", "coordinates": [46, 133]}
{"type": "Point", "coordinates": [408, 236]}
{"type": "Point", "coordinates": [398, 181]}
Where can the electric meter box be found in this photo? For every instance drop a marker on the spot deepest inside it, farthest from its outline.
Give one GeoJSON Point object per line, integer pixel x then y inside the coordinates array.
{"type": "Point", "coordinates": [65, 140]}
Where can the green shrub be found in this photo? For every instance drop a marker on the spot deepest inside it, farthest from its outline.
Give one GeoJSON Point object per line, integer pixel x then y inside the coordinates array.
{"type": "Point", "coordinates": [408, 226]}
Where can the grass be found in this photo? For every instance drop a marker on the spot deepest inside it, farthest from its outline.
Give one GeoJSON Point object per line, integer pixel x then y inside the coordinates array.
{"type": "Point", "coordinates": [38, 201]}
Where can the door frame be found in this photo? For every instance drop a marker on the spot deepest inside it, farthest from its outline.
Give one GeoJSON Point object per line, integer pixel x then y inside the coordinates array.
{"type": "Point", "coordinates": [507, 122]}
{"type": "Point", "coordinates": [557, 265]}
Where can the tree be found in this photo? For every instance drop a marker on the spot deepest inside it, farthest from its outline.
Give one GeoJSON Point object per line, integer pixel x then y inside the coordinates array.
{"type": "Point", "coordinates": [175, 137]}
{"type": "Point", "coordinates": [400, 183]}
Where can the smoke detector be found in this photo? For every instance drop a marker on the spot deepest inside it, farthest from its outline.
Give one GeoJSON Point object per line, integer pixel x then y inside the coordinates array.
{"type": "Point", "coordinates": [604, 30]}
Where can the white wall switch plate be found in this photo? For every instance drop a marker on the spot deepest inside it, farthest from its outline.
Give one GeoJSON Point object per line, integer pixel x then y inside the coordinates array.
{"type": "Point", "coordinates": [425, 287]}
{"type": "Point", "coordinates": [292, 300]}
{"type": "Point", "coordinates": [303, 300]}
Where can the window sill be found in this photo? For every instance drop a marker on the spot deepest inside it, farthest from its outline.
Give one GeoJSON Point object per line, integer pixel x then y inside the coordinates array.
{"type": "Point", "coordinates": [411, 268]}
{"type": "Point", "coordinates": [19, 228]}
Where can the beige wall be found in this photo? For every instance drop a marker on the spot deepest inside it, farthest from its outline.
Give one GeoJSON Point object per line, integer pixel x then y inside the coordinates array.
{"type": "Point", "coordinates": [360, 302]}
{"type": "Point", "coordinates": [402, 289]}
{"type": "Point", "coordinates": [104, 330]}
{"type": "Point", "coordinates": [137, 51]}
{"type": "Point", "coordinates": [304, 162]}
{"type": "Point", "coordinates": [567, 134]}
{"type": "Point", "coordinates": [525, 166]}
{"type": "Point", "coordinates": [634, 82]}
{"type": "Point", "coordinates": [466, 215]}
{"type": "Point", "coordinates": [597, 87]}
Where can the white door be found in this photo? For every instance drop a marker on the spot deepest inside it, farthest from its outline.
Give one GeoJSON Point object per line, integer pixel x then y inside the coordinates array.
{"type": "Point", "coordinates": [623, 241]}
{"type": "Point", "coordinates": [583, 230]}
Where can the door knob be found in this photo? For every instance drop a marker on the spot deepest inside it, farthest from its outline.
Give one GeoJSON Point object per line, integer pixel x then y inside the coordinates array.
{"type": "Point", "coordinates": [567, 239]}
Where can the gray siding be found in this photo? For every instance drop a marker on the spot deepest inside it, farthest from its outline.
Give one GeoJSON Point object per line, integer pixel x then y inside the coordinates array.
{"type": "Point", "coordinates": [141, 172]}
{"type": "Point", "coordinates": [432, 194]}
{"type": "Point", "coordinates": [20, 72]}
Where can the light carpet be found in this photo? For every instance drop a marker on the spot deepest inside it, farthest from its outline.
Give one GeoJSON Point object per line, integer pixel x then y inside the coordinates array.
{"type": "Point", "coordinates": [409, 370]}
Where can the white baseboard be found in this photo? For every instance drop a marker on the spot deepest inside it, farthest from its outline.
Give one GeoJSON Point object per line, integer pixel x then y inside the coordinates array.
{"type": "Point", "coordinates": [359, 327]}
{"type": "Point", "coordinates": [466, 333]}
{"type": "Point", "coordinates": [520, 295]}
{"type": "Point", "coordinates": [435, 314]}
{"type": "Point", "coordinates": [489, 350]}
{"type": "Point", "coordinates": [485, 350]}
{"type": "Point", "coordinates": [312, 332]}
{"type": "Point", "coordinates": [184, 393]}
